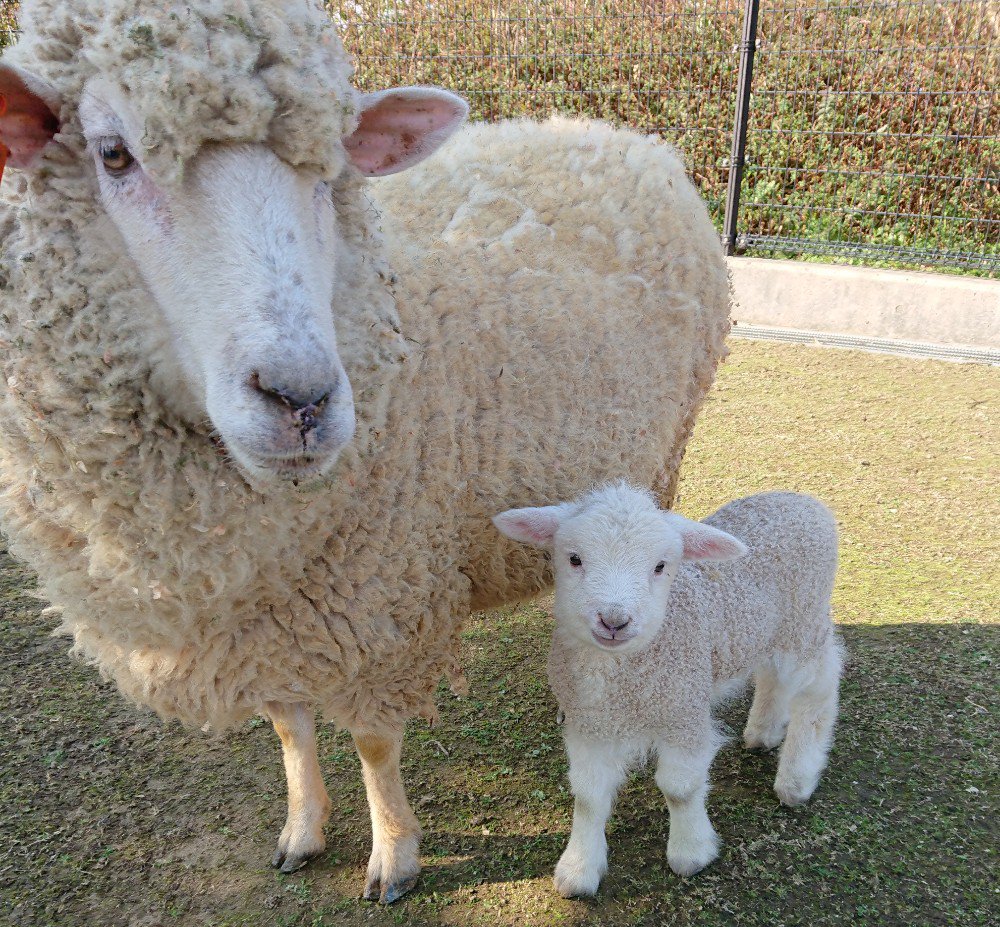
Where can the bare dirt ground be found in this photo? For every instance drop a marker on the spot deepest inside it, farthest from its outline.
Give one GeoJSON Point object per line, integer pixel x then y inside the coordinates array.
{"type": "Point", "coordinates": [109, 817]}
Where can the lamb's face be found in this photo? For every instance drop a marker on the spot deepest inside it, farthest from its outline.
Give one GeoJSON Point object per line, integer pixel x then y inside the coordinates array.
{"type": "Point", "coordinates": [615, 556]}
{"type": "Point", "coordinates": [613, 576]}
{"type": "Point", "coordinates": [241, 255]}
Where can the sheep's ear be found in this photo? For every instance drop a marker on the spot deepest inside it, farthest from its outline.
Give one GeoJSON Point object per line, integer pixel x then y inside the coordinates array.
{"type": "Point", "coordinates": [28, 120]}
{"type": "Point", "coordinates": [703, 542]}
{"type": "Point", "coordinates": [531, 526]}
{"type": "Point", "coordinates": [400, 127]}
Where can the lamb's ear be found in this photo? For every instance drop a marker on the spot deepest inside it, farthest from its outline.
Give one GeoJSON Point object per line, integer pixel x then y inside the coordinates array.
{"type": "Point", "coordinates": [703, 542]}
{"type": "Point", "coordinates": [531, 526]}
{"type": "Point", "coordinates": [28, 120]}
{"type": "Point", "coordinates": [400, 127]}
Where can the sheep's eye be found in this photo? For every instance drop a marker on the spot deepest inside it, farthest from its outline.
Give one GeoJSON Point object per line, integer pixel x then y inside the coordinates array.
{"type": "Point", "coordinates": [115, 157]}
{"type": "Point", "coordinates": [659, 568]}
{"type": "Point", "coordinates": [575, 560]}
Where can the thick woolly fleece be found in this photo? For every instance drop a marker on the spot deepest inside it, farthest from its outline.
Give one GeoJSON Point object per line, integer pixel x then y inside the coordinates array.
{"type": "Point", "coordinates": [722, 620]}
{"type": "Point", "coordinates": [554, 313]}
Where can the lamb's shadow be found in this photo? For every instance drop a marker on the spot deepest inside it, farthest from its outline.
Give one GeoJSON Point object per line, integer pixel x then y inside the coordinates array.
{"type": "Point", "coordinates": [903, 684]}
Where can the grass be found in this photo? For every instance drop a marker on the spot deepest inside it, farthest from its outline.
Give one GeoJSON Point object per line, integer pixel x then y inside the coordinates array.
{"type": "Point", "coordinates": [871, 122]}
{"type": "Point", "coordinates": [111, 818]}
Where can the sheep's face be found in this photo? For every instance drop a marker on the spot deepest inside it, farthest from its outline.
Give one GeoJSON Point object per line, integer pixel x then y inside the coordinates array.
{"type": "Point", "coordinates": [241, 255]}
{"type": "Point", "coordinates": [615, 556]}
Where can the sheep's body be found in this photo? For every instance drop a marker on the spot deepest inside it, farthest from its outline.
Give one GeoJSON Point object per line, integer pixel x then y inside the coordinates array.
{"type": "Point", "coordinates": [766, 615]}
{"type": "Point", "coordinates": [544, 296]}
{"type": "Point", "coordinates": [516, 387]}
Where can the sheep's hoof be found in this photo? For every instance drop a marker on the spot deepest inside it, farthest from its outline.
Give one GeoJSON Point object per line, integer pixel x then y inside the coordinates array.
{"type": "Point", "coordinates": [291, 862]}
{"type": "Point", "coordinates": [296, 849]}
{"type": "Point", "coordinates": [392, 892]}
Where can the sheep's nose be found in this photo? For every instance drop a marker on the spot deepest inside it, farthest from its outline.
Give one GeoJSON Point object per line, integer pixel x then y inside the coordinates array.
{"type": "Point", "coordinates": [298, 400]}
{"type": "Point", "coordinates": [614, 620]}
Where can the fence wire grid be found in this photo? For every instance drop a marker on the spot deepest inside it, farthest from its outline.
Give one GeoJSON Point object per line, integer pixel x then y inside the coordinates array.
{"type": "Point", "coordinates": [873, 132]}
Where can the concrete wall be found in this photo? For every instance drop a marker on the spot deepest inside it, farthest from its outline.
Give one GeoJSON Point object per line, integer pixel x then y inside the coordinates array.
{"type": "Point", "coordinates": [897, 304]}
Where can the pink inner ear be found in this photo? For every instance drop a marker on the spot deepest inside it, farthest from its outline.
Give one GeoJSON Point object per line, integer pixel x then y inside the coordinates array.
{"type": "Point", "coordinates": [700, 545]}
{"type": "Point", "coordinates": [27, 124]}
{"type": "Point", "coordinates": [400, 130]}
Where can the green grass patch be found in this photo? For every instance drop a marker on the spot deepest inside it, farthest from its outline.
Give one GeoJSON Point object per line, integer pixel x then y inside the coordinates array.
{"type": "Point", "coordinates": [111, 818]}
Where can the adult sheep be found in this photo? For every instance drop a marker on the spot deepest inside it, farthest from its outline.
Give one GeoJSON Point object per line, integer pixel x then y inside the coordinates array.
{"type": "Point", "coordinates": [242, 501]}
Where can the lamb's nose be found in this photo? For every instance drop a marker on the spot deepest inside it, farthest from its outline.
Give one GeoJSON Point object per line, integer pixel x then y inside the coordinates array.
{"type": "Point", "coordinates": [614, 620]}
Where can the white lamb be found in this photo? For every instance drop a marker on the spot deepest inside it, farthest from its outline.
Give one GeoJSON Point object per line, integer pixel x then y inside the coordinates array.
{"type": "Point", "coordinates": [650, 633]}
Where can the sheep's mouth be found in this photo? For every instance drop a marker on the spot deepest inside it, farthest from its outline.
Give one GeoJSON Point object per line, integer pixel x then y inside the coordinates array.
{"type": "Point", "coordinates": [296, 467]}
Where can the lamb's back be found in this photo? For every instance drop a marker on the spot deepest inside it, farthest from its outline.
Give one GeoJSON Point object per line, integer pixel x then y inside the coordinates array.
{"type": "Point", "coordinates": [774, 598]}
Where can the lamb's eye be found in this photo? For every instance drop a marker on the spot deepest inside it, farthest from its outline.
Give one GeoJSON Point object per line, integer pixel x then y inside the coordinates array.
{"type": "Point", "coordinates": [115, 157]}
{"type": "Point", "coordinates": [659, 568]}
{"type": "Point", "coordinates": [575, 560]}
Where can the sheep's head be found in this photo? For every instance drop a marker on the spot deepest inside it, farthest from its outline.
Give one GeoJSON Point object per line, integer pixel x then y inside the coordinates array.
{"type": "Point", "coordinates": [615, 555]}
{"type": "Point", "coordinates": [221, 137]}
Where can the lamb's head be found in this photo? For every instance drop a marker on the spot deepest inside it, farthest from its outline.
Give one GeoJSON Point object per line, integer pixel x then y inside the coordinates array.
{"type": "Point", "coordinates": [226, 144]}
{"type": "Point", "coordinates": [615, 555]}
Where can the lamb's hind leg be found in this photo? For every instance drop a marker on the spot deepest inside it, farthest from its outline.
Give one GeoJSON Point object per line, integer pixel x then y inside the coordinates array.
{"type": "Point", "coordinates": [394, 865]}
{"type": "Point", "coordinates": [770, 711]}
{"type": "Point", "coordinates": [810, 730]}
{"type": "Point", "coordinates": [308, 803]}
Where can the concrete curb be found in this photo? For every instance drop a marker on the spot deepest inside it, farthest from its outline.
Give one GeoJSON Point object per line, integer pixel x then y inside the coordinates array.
{"type": "Point", "coordinates": [918, 349]}
{"type": "Point", "coordinates": [869, 303]}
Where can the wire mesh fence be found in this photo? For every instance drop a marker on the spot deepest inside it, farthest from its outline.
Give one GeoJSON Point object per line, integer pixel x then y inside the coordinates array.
{"type": "Point", "coordinates": [873, 132]}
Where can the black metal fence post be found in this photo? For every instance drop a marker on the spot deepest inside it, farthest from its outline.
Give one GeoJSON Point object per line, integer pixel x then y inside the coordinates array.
{"type": "Point", "coordinates": [748, 46]}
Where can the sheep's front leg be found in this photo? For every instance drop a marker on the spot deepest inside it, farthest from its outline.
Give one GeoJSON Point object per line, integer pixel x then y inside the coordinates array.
{"type": "Point", "coordinates": [596, 771]}
{"type": "Point", "coordinates": [682, 776]}
{"type": "Point", "coordinates": [308, 803]}
{"type": "Point", "coordinates": [395, 861]}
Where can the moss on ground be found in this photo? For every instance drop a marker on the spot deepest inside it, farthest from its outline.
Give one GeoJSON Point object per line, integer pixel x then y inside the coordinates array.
{"type": "Point", "coordinates": [111, 818]}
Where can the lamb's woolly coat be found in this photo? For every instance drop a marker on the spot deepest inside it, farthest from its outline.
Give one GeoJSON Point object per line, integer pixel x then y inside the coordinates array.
{"type": "Point", "coordinates": [722, 620]}
{"type": "Point", "coordinates": [553, 315]}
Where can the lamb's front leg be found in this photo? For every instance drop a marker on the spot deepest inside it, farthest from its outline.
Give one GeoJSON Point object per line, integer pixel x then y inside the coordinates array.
{"type": "Point", "coordinates": [682, 775]}
{"type": "Point", "coordinates": [308, 803]}
{"type": "Point", "coordinates": [394, 865]}
{"type": "Point", "coordinates": [596, 771]}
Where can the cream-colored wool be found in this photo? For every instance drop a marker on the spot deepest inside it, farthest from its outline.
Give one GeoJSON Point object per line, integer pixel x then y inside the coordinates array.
{"type": "Point", "coordinates": [546, 312]}
{"type": "Point", "coordinates": [723, 620]}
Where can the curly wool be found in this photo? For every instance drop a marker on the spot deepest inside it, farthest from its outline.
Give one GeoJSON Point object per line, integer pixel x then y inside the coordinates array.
{"type": "Point", "coordinates": [722, 620]}
{"type": "Point", "coordinates": [268, 71]}
{"type": "Point", "coordinates": [556, 295]}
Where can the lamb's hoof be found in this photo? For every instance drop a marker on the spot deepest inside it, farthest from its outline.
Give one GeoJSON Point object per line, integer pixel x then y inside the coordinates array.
{"type": "Point", "coordinates": [687, 861]}
{"type": "Point", "coordinates": [392, 892]}
{"type": "Point", "coordinates": [575, 879]}
{"type": "Point", "coordinates": [763, 741]}
{"type": "Point", "coordinates": [793, 794]}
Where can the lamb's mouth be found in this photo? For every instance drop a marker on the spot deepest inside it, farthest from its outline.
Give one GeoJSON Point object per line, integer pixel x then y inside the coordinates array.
{"type": "Point", "coordinates": [610, 643]}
